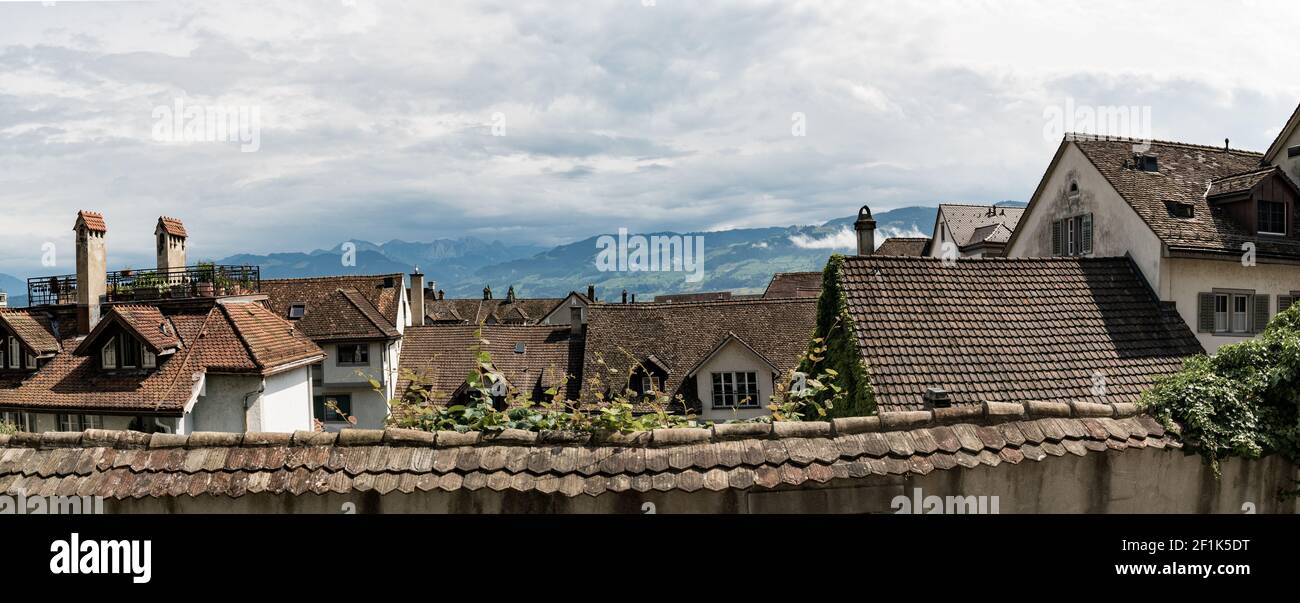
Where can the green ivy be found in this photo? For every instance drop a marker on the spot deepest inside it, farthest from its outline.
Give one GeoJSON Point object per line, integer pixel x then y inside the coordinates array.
{"type": "Point", "coordinates": [1243, 401]}
{"type": "Point", "coordinates": [835, 345]}
{"type": "Point", "coordinates": [7, 428]}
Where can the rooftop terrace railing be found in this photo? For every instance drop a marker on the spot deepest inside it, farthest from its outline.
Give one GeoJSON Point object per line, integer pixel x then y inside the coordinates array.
{"type": "Point", "coordinates": [202, 280]}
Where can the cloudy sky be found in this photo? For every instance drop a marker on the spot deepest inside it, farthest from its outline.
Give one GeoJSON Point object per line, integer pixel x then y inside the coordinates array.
{"type": "Point", "coordinates": [380, 120]}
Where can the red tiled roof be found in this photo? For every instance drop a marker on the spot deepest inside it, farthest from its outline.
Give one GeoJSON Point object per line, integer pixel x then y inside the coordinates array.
{"type": "Point", "coordinates": [93, 220]}
{"type": "Point", "coordinates": [271, 341]}
{"type": "Point", "coordinates": [795, 284]}
{"type": "Point", "coordinates": [172, 226]}
{"type": "Point", "coordinates": [340, 307]}
{"type": "Point", "coordinates": [445, 354]}
{"type": "Point", "coordinates": [900, 246]}
{"type": "Point", "coordinates": [145, 322]}
{"type": "Point", "coordinates": [1010, 330]}
{"type": "Point", "coordinates": [33, 329]}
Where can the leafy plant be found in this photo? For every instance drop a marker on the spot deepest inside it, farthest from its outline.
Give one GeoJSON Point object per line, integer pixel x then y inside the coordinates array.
{"type": "Point", "coordinates": [1243, 401]}
{"type": "Point", "coordinates": [835, 348]}
{"type": "Point", "coordinates": [7, 428]}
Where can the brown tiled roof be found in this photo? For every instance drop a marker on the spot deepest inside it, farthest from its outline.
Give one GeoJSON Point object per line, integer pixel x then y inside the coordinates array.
{"type": "Point", "coordinates": [93, 220]}
{"type": "Point", "coordinates": [968, 223]}
{"type": "Point", "coordinates": [1244, 182]}
{"type": "Point", "coordinates": [693, 297]}
{"type": "Point", "coordinates": [334, 308]}
{"type": "Point", "coordinates": [680, 335]}
{"type": "Point", "coordinates": [172, 226]}
{"type": "Point", "coordinates": [999, 329]}
{"type": "Point", "coordinates": [445, 355]}
{"type": "Point", "coordinates": [33, 329]}
{"type": "Point", "coordinates": [901, 246]}
{"type": "Point", "coordinates": [145, 322]}
{"type": "Point", "coordinates": [271, 341]}
{"type": "Point", "coordinates": [233, 338]}
{"type": "Point", "coordinates": [1185, 175]}
{"type": "Point", "coordinates": [487, 311]}
{"type": "Point", "coordinates": [794, 284]}
{"type": "Point", "coordinates": [752, 457]}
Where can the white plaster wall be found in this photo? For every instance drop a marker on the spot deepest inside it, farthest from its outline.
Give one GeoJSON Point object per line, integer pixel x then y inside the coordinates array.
{"type": "Point", "coordinates": [1116, 228]}
{"type": "Point", "coordinates": [285, 406]}
{"type": "Point", "coordinates": [368, 406]}
{"type": "Point", "coordinates": [336, 374]}
{"type": "Point", "coordinates": [1188, 277]}
{"type": "Point", "coordinates": [1291, 165]}
{"type": "Point", "coordinates": [734, 357]}
{"type": "Point", "coordinates": [221, 407]}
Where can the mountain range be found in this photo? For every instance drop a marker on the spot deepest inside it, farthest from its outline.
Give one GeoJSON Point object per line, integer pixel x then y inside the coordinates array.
{"type": "Point", "coordinates": [740, 260]}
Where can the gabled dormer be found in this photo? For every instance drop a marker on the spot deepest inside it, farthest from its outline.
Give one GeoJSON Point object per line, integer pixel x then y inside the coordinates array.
{"type": "Point", "coordinates": [130, 338]}
{"type": "Point", "coordinates": [25, 341]}
{"type": "Point", "coordinates": [1262, 202]}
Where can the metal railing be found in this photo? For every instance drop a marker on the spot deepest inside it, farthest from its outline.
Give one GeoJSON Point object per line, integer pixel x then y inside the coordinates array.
{"type": "Point", "coordinates": [52, 290]}
{"type": "Point", "coordinates": [202, 280]}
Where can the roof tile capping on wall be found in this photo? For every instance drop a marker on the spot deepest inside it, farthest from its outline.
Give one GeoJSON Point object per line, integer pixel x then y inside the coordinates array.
{"type": "Point", "coordinates": [747, 456]}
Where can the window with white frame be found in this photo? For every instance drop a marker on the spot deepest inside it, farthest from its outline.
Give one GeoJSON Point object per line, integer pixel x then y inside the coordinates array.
{"type": "Point", "coordinates": [71, 422]}
{"type": "Point", "coordinates": [1272, 218]}
{"type": "Point", "coordinates": [108, 355]}
{"type": "Point", "coordinates": [15, 353]}
{"type": "Point", "coordinates": [1231, 312]}
{"type": "Point", "coordinates": [357, 354]}
{"type": "Point", "coordinates": [148, 359]}
{"type": "Point", "coordinates": [735, 390]}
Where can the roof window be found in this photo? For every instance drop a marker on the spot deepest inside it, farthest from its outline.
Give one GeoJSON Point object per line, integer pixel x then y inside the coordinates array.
{"type": "Point", "coordinates": [1178, 209]}
{"type": "Point", "coordinates": [297, 311]}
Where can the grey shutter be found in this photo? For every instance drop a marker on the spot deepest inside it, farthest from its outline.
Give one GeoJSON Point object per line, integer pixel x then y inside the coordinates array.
{"type": "Point", "coordinates": [1086, 236]}
{"type": "Point", "coordinates": [1056, 238]}
{"type": "Point", "coordinates": [1261, 312]}
{"type": "Point", "coordinates": [1205, 312]}
{"type": "Point", "coordinates": [1284, 302]}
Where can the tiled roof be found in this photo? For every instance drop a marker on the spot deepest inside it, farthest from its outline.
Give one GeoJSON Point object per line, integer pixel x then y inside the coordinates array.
{"type": "Point", "coordinates": [32, 328]}
{"type": "Point", "coordinates": [93, 220]}
{"type": "Point", "coordinates": [1185, 175]}
{"type": "Point", "coordinates": [445, 355]}
{"type": "Point", "coordinates": [693, 297]}
{"type": "Point", "coordinates": [334, 304]}
{"type": "Point", "coordinates": [679, 336]}
{"type": "Point", "coordinates": [172, 226]}
{"type": "Point", "coordinates": [145, 322]}
{"type": "Point", "coordinates": [998, 329]}
{"type": "Point", "coordinates": [487, 311]}
{"type": "Point", "coordinates": [967, 222]}
{"type": "Point", "coordinates": [1241, 183]}
{"type": "Point", "coordinates": [900, 246]}
{"type": "Point", "coordinates": [232, 338]}
{"type": "Point", "coordinates": [794, 284]}
{"type": "Point", "coordinates": [746, 457]}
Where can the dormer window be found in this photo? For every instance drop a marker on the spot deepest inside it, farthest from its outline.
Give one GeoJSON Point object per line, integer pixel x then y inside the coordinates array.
{"type": "Point", "coordinates": [1146, 163]}
{"type": "Point", "coordinates": [297, 311]}
{"type": "Point", "coordinates": [108, 355]}
{"type": "Point", "coordinates": [1272, 218]}
{"type": "Point", "coordinates": [1184, 211]}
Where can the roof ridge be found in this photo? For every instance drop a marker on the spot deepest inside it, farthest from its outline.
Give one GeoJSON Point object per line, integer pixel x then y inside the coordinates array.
{"type": "Point", "coordinates": [988, 413]}
{"type": "Point", "coordinates": [337, 276]}
{"type": "Point", "coordinates": [1259, 170]}
{"type": "Point", "coordinates": [708, 302]}
{"type": "Point", "coordinates": [1075, 136]}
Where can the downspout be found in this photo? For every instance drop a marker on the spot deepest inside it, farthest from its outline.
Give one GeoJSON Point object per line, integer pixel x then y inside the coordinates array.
{"type": "Point", "coordinates": [261, 387]}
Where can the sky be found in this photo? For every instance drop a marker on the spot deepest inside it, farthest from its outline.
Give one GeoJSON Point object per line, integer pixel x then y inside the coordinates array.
{"type": "Point", "coordinates": [544, 122]}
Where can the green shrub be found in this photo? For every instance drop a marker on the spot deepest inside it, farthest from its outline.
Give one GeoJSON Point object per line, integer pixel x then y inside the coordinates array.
{"type": "Point", "coordinates": [1243, 401]}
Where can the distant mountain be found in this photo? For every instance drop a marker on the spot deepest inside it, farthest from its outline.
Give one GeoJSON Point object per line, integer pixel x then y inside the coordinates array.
{"type": "Point", "coordinates": [16, 288]}
{"type": "Point", "coordinates": [741, 260]}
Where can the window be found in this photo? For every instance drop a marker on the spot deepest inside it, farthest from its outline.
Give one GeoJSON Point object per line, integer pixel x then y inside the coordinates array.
{"type": "Point", "coordinates": [1182, 211]}
{"type": "Point", "coordinates": [1272, 218]}
{"type": "Point", "coordinates": [24, 421]}
{"type": "Point", "coordinates": [128, 351]}
{"type": "Point", "coordinates": [333, 408]}
{"type": "Point", "coordinates": [1146, 163]}
{"type": "Point", "coordinates": [108, 356]}
{"type": "Point", "coordinates": [15, 354]}
{"type": "Point", "coordinates": [1234, 312]}
{"type": "Point", "coordinates": [1072, 236]}
{"type": "Point", "coordinates": [297, 311]}
{"type": "Point", "coordinates": [148, 359]}
{"type": "Point", "coordinates": [317, 375]}
{"type": "Point", "coordinates": [1240, 308]}
{"type": "Point", "coordinates": [80, 422]}
{"type": "Point", "coordinates": [354, 353]}
{"type": "Point", "coordinates": [735, 390]}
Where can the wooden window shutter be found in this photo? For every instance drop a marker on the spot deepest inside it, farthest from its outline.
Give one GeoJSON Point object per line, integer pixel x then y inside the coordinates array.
{"type": "Point", "coordinates": [1086, 237]}
{"type": "Point", "coordinates": [1284, 302]}
{"type": "Point", "coordinates": [1205, 313]}
{"type": "Point", "coordinates": [1261, 312]}
{"type": "Point", "coordinates": [1056, 238]}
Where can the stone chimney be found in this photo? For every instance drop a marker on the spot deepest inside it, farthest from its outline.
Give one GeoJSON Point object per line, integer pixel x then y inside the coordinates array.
{"type": "Point", "coordinates": [417, 298]}
{"type": "Point", "coordinates": [866, 229]}
{"type": "Point", "coordinates": [170, 235]}
{"type": "Point", "coordinates": [591, 293]}
{"type": "Point", "coordinates": [575, 319]}
{"type": "Point", "coordinates": [487, 292]}
{"type": "Point", "coordinates": [510, 295]}
{"type": "Point", "coordinates": [92, 268]}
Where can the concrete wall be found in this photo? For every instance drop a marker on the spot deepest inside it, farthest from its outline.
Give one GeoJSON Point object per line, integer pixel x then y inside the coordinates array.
{"type": "Point", "coordinates": [220, 406]}
{"type": "Point", "coordinates": [734, 357]}
{"type": "Point", "coordinates": [1131, 481]}
{"type": "Point", "coordinates": [1116, 228]}
{"type": "Point", "coordinates": [1186, 278]}
{"type": "Point", "coordinates": [285, 406]}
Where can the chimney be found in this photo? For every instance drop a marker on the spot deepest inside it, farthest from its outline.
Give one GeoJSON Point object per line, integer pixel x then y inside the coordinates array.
{"type": "Point", "coordinates": [170, 235]}
{"type": "Point", "coordinates": [625, 296]}
{"type": "Point", "coordinates": [510, 295]}
{"type": "Point", "coordinates": [487, 292]}
{"type": "Point", "coordinates": [634, 298]}
{"type": "Point", "coordinates": [1226, 146]}
{"type": "Point", "coordinates": [591, 293]}
{"type": "Point", "coordinates": [92, 268]}
{"type": "Point", "coordinates": [4, 299]}
{"type": "Point", "coordinates": [441, 294]}
{"type": "Point", "coordinates": [417, 298]}
{"type": "Point", "coordinates": [866, 229]}
{"type": "Point", "coordinates": [575, 319]}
